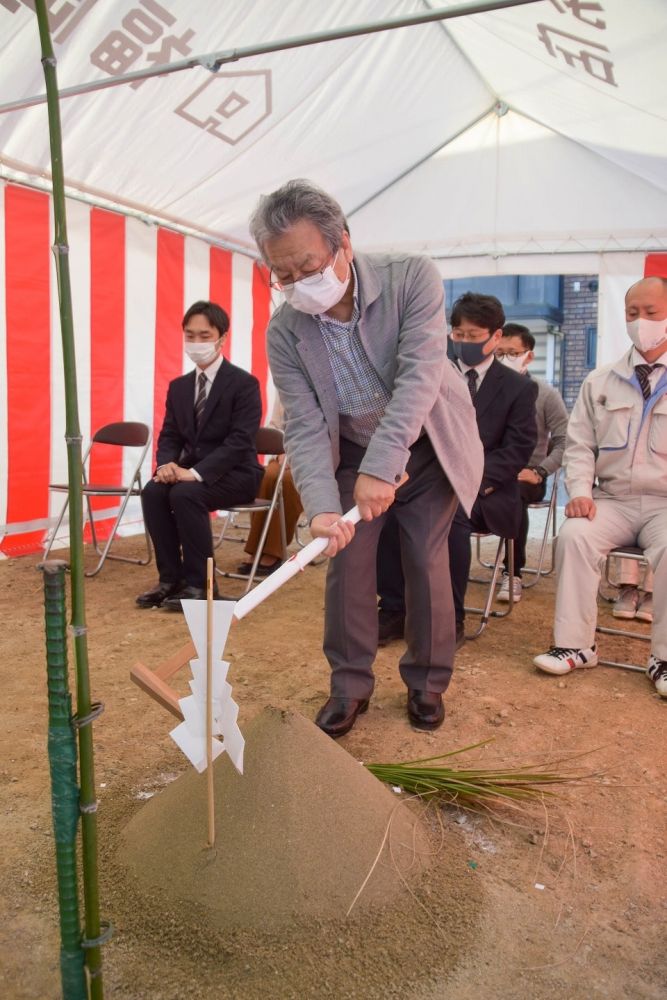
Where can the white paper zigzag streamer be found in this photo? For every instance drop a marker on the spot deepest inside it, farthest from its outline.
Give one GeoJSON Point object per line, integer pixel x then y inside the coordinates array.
{"type": "Point", "coordinates": [190, 735]}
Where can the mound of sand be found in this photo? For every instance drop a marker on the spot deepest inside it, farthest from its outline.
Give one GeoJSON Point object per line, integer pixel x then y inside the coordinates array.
{"type": "Point", "coordinates": [296, 835]}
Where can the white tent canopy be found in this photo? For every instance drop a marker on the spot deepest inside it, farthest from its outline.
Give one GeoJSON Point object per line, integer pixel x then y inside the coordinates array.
{"type": "Point", "coordinates": [530, 131]}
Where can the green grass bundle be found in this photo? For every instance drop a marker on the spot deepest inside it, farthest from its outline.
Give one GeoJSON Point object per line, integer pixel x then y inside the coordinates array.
{"type": "Point", "coordinates": [471, 786]}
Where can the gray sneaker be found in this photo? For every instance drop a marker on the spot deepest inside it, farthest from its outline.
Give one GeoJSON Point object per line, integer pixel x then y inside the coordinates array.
{"type": "Point", "coordinates": [504, 591]}
{"type": "Point", "coordinates": [625, 605]}
{"type": "Point", "coordinates": [645, 609]}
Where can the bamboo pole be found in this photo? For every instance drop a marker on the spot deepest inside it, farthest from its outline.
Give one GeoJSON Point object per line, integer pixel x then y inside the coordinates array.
{"type": "Point", "coordinates": [209, 702]}
{"type": "Point", "coordinates": [87, 801]}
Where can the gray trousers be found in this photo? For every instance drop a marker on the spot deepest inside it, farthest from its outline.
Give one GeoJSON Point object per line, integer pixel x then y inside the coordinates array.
{"type": "Point", "coordinates": [424, 508]}
{"type": "Point", "coordinates": [580, 554]}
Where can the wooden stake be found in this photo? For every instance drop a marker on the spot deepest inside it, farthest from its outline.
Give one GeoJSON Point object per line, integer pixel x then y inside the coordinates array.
{"type": "Point", "coordinates": [209, 701]}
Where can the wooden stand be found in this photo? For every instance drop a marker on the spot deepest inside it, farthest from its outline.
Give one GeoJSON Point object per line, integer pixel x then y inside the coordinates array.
{"type": "Point", "coordinates": [156, 682]}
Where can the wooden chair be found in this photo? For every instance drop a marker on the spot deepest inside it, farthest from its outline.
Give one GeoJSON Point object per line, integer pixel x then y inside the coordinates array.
{"type": "Point", "coordinates": [123, 435]}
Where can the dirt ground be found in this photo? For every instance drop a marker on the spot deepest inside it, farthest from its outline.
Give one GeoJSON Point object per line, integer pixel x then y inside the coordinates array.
{"type": "Point", "coordinates": [568, 900]}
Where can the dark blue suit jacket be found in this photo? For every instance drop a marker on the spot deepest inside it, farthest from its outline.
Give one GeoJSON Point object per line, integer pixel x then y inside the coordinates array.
{"type": "Point", "coordinates": [226, 438]}
{"type": "Point", "coordinates": [505, 409]}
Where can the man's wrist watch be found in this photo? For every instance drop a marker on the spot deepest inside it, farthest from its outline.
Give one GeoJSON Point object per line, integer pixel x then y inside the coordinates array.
{"type": "Point", "coordinates": [541, 471]}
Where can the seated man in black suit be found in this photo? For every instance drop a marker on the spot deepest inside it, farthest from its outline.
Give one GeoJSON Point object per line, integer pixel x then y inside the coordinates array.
{"type": "Point", "coordinates": [505, 406]}
{"type": "Point", "coordinates": [206, 459]}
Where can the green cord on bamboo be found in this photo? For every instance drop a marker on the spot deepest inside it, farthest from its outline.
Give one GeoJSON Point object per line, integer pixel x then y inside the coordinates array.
{"type": "Point", "coordinates": [64, 786]}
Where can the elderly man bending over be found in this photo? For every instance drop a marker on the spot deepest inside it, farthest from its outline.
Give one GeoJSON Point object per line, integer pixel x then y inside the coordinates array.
{"type": "Point", "coordinates": [617, 435]}
{"type": "Point", "coordinates": [357, 352]}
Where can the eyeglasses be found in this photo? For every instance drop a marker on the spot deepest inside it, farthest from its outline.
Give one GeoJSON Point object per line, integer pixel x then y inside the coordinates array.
{"type": "Point", "coordinates": [469, 336]}
{"type": "Point", "coordinates": [307, 279]}
{"type": "Point", "coordinates": [510, 354]}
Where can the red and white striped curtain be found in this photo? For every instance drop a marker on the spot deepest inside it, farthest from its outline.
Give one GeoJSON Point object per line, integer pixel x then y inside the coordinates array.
{"type": "Point", "coordinates": [131, 284]}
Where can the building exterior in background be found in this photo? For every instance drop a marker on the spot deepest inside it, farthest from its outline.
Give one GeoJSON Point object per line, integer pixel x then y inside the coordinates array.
{"type": "Point", "coordinates": [560, 310]}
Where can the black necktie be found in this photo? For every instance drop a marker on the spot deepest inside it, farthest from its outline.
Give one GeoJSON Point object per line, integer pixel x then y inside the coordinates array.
{"type": "Point", "coordinates": [200, 401]}
{"type": "Point", "coordinates": [643, 372]}
{"type": "Point", "coordinates": [472, 377]}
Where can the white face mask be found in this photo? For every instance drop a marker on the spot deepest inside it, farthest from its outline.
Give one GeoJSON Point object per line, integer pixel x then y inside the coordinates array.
{"type": "Point", "coordinates": [646, 334]}
{"type": "Point", "coordinates": [518, 364]}
{"type": "Point", "coordinates": [318, 292]}
{"type": "Point", "coordinates": [203, 354]}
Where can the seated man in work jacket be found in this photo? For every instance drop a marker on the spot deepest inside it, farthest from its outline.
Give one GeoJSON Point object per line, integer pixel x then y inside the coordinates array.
{"type": "Point", "coordinates": [617, 436]}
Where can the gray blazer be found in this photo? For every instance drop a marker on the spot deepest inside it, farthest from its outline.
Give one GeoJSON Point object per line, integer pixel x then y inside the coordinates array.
{"type": "Point", "coordinates": [552, 418]}
{"type": "Point", "coordinates": [403, 331]}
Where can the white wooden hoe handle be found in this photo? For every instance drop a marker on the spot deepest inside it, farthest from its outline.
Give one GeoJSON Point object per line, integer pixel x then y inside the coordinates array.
{"type": "Point", "coordinates": [290, 568]}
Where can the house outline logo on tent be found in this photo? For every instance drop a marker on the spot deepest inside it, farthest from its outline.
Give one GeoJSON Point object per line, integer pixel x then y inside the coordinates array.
{"type": "Point", "coordinates": [230, 105]}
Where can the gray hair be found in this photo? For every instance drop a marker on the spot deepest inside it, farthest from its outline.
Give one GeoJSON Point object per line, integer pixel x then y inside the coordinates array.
{"type": "Point", "coordinates": [297, 199]}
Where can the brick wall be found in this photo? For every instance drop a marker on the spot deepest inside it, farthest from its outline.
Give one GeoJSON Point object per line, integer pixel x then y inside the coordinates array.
{"type": "Point", "coordinates": [580, 312]}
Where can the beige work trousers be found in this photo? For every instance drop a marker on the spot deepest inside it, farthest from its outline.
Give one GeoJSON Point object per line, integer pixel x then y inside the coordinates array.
{"type": "Point", "coordinates": [581, 550]}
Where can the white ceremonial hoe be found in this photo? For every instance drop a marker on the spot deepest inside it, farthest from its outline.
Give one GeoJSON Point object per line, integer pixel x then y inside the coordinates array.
{"type": "Point", "coordinates": [295, 564]}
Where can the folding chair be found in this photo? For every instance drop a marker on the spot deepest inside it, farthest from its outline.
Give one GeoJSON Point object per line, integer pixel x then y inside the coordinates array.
{"type": "Point", "coordinates": [269, 442]}
{"type": "Point", "coordinates": [486, 611]}
{"type": "Point", "coordinates": [636, 554]}
{"type": "Point", "coordinates": [550, 528]}
{"type": "Point", "coordinates": [125, 434]}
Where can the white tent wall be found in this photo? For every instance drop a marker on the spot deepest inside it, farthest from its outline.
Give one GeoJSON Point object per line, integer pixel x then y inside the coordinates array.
{"type": "Point", "coordinates": [132, 354]}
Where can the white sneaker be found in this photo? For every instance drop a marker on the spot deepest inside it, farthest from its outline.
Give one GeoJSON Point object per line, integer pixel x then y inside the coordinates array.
{"type": "Point", "coordinates": [560, 659]}
{"type": "Point", "coordinates": [504, 592]}
{"type": "Point", "coordinates": [625, 605]}
{"type": "Point", "coordinates": [645, 609]}
{"type": "Point", "coordinates": [657, 672]}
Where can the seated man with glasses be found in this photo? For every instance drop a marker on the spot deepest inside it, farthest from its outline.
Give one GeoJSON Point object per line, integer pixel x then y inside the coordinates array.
{"type": "Point", "coordinates": [375, 416]}
{"type": "Point", "coordinates": [505, 414]}
{"type": "Point", "coordinates": [517, 351]}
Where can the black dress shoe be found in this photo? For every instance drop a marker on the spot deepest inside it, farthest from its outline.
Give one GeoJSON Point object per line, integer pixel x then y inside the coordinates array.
{"type": "Point", "coordinates": [338, 715]}
{"type": "Point", "coordinates": [425, 709]}
{"type": "Point", "coordinates": [244, 568]}
{"type": "Point", "coordinates": [155, 597]}
{"type": "Point", "coordinates": [391, 625]}
{"type": "Point", "coordinates": [173, 603]}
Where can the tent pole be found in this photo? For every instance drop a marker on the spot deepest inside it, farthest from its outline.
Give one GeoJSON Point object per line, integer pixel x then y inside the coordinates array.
{"type": "Point", "coordinates": [85, 710]}
{"type": "Point", "coordinates": [214, 60]}
{"type": "Point", "coordinates": [418, 163]}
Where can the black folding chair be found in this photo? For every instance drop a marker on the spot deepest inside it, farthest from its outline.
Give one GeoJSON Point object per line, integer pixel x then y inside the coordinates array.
{"type": "Point", "coordinates": [549, 534]}
{"type": "Point", "coordinates": [269, 442]}
{"type": "Point", "coordinates": [124, 435]}
{"type": "Point", "coordinates": [485, 612]}
{"type": "Point", "coordinates": [637, 555]}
